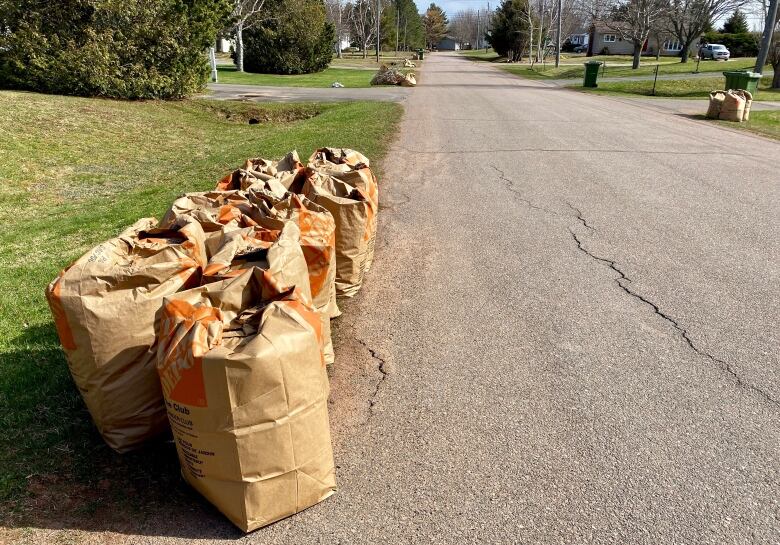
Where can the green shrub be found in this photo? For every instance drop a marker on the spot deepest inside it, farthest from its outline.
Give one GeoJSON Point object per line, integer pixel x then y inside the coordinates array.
{"type": "Point", "coordinates": [111, 48]}
{"type": "Point", "coordinates": [295, 38]}
{"type": "Point", "coordinates": [509, 35]}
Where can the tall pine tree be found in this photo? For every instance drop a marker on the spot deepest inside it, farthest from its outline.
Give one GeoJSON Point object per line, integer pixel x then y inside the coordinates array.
{"type": "Point", "coordinates": [736, 24]}
{"type": "Point", "coordinates": [436, 23]}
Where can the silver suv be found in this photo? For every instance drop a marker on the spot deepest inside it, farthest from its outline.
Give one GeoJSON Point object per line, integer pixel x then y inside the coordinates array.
{"type": "Point", "coordinates": [715, 52]}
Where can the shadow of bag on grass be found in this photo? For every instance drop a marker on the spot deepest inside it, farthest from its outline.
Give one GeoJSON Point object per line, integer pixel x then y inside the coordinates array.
{"type": "Point", "coordinates": [57, 473]}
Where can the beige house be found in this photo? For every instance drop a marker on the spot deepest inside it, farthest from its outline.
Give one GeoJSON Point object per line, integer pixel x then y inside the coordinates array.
{"type": "Point", "coordinates": [609, 41]}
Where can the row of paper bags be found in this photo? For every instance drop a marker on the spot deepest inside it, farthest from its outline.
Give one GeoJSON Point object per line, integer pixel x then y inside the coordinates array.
{"type": "Point", "coordinates": [216, 325]}
{"type": "Point", "coordinates": [731, 105]}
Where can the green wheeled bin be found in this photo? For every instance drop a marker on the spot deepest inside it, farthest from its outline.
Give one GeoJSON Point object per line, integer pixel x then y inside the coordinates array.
{"type": "Point", "coordinates": [742, 79]}
{"type": "Point", "coordinates": [421, 54]}
{"type": "Point", "coordinates": [591, 73]}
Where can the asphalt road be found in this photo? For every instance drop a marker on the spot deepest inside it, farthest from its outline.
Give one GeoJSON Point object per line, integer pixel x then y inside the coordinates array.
{"type": "Point", "coordinates": [570, 334]}
{"type": "Point", "coordinates": [576, 302]}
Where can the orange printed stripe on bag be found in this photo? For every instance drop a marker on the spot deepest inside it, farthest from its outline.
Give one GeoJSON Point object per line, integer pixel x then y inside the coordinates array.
{"type": "Point", "coordinates": [60, 319]}
{"type": "Point", "coordinates": [310, 317]}
{"type": "Point", "coordinates": [190, 332]}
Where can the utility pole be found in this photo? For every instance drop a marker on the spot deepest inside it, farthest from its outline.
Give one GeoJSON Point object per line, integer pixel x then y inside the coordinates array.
{"type": "Point", "coordinates": [378, 20]}
{"type": "Point", "coordinates": [558, 39]}
{"type": "Point", "coordinates": [766, 39]}
{"type": "Point", "coordinates": [488, 18]}
{"type": "Point", "coordinates": [397, 26]}
{"type": "Point", "coordinates": [476, 41]}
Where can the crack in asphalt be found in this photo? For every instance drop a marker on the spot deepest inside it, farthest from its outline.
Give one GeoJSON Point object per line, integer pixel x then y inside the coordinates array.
{"type": "Point", "coordinates": [580, 217]}
{"type": "Point", "coordinates": [510, 185]}
{"type": "Point", "coordinates": [383, 372]}
{"type": "Point", "coordinates": [721, 364]}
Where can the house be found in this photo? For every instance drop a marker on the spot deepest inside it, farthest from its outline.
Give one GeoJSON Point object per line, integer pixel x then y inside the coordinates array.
{"type": "Point", "coordinates": [448, 44]}
{"type": "Point", "coordinates": [224, 45]}
{"type": "Point", "coordinates": [607, 40]}
{"type": "Point", "coordinates": [344, 42]}
{"type": "Point", "coordinates": [581, 38]}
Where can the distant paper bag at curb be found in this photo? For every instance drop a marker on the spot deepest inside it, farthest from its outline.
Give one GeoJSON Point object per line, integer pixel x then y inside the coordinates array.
{"type": "Point", "coordinates": [104, 307]}
{"type": "Point", "coordinates": [246, 391]}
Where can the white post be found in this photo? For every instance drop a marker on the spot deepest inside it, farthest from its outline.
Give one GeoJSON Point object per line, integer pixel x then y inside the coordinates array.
{"type": "Point", "coordinates": [213, 59]}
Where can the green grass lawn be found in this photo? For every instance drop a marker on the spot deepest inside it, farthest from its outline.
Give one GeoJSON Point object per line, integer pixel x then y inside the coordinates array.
{"type": "Point", "coordinates": [482, 55]}
{"type": "Point", "coordinates": [619, 67]}
{"type": "Point", "coordinates": [74, 172]}
{"type": "Point", "coordinates": [683, 88]}
{"type": "Point", "coordinates": [356, 60]}
{"type": "Point", "coordinates": [347, 76]}
{"type": "Point", "coordinates": [765, 123]}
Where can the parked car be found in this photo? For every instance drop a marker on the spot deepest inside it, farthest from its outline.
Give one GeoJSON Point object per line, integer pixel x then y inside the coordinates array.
{"type": "Point", "coordinates": [582, 48]}
{"type": "Point", "coordinates": [715, 52]}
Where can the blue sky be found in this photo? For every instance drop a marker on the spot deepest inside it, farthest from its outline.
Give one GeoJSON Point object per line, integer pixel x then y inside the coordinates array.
{"type": "Point", "coordinates": [454, 6]}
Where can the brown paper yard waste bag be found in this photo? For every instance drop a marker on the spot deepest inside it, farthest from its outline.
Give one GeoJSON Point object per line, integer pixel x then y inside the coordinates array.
{"type": "Point", "coordinates": [318, 242]}
{"type": "Point", "coordinates": [246, 391]}
{"type": "Point", "coordinates": [353, 214]}
{"type": "Point", "coordinates": [733, 108]}
{"type": "Point", "coordinates": [748, 98]}
{"type": "Point", "coordinates": [214, 210]}
{"type": "Point", "coordinates": [260, 222]}
{"type": "Point", "coordinates": [352, 167]}
{"type": "Point", "coordinates": [104, 307]}
{"type": "Point", "coordinates": [274, 176]}
{"type": "Point", "coordinates": [716, 103]}
{"type": "Point", "coordinates": [283, 255]}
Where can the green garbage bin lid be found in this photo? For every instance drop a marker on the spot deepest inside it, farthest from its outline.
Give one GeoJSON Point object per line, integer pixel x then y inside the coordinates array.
{"type": "Point", "coordinates": [594, 62]}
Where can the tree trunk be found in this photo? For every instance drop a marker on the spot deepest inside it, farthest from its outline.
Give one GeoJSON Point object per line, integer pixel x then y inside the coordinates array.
{"type": "Point", "coordinates": [240, 47]}
{"type": "Point", "coordinates": [591, 39]}
{"type": "Point", "coordinates": [365, 49]}
{"type": "Point", "coordinates": [685, 53]}
{"type": "Point", "coordinates": [637, 55]}
{"type": "Point", "coordinates": [776, 77]}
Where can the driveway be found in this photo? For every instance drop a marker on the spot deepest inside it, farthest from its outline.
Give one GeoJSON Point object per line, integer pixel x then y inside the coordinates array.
{"type": "Point", "coordinates": [570, 333]}
{"type": "Point", "coordinates": [257, 93]}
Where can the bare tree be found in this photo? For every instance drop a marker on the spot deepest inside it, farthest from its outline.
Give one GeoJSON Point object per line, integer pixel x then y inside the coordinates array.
{"type": "Point", "coordinates": [337, 11]}
{"type": "Point", "coordinates": [463, 26]}
{"type": "Point", "coordinates": [593, 11]}
{"type": "Point", "coordinates": [362, 21]}
{"type": "Point", "coordinates": [245, 16]}
{"type": "Point", "coordinates": [687, 20]}
{"type": "Point", "coordinates": [633, 20]}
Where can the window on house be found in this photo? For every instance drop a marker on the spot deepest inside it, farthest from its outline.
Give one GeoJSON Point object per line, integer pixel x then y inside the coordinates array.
{"type": "Point", "coordinates": [609, 38]}
{"type": "Point", "coordinates": [672, 45]}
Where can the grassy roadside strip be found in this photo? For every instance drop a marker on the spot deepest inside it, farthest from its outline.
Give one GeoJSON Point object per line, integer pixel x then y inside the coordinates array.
{"type": "Point", "coordinates": [73, 172]}
{"type": "Point", "coordinates": [613, 70]}
{"type": "Point", "coordinates": [616, 65]}
{"type": "Point", "coordinates": [764, 123]}
{"type": "Point", "coordinates": [674, 88]}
